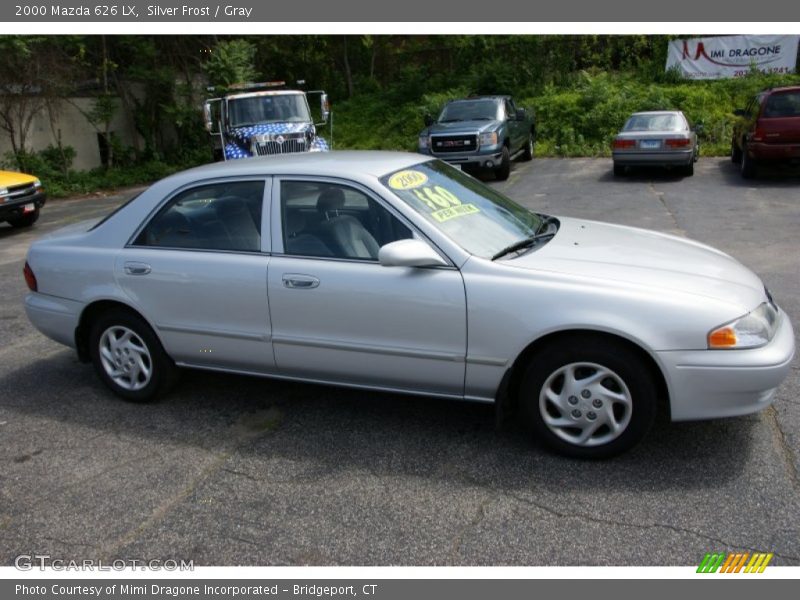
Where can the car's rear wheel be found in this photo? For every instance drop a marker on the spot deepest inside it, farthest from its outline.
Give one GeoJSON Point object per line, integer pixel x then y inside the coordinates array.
{"type": "Point", "coordinates": [504, 170]}
{"type": "Point", "coordinates": [527, 153]}
{"type": "Point", "coordinates": [736, 153]}
{"type": "Point", "coordinates": [129, 358]}
{"type": "Point", "coordinates": [25, 220]}
{"type": "Point", "coordinates": [619, 170]}
{"type": "Point", "coordinates": [747, 166]}
{"type": "Point", "coordinates": [589, 397]}
{"type": "Point", "coordinates": [688, 170]}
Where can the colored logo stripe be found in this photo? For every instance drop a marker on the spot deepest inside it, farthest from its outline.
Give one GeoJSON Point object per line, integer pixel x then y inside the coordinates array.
{"type": "Point", "coordinates": [735, 562]}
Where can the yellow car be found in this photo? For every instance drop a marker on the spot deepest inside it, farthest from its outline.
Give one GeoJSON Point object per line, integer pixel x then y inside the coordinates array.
{"type": "Point", "coordinates": [21, 197]}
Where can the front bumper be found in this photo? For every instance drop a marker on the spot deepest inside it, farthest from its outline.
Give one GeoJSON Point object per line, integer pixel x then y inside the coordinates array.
{"type": "Point", "coordinates": [15, 207]}
{"type": "Point", "coordinates": [706, 384]}
{"type": "Point", "coordinates": [55, 317]}
{"type": "Point", "coordinates": [661, 158]}
{"type": "Point", "coordinates": [489, 157]}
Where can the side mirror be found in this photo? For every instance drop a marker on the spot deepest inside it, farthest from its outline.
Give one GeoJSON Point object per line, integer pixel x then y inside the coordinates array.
{"type": "Point", "coordinates": [699, 128]}
{"type": "Point", "coordinates": [409, 253]}
{"type": "Point", "coordinates": [521, 114]}
{"type": "Point", "coordinates": [208, 114]}
{"type": "Point", "coordinates": [740, 112]}
{"type": "Point", "coordinates": [325, 107]}
{"type": "Point", "coordinates": [428, 120]}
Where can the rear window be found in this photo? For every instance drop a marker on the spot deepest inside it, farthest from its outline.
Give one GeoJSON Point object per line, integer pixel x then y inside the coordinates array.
{"type": "Point", "coordinates": [663, 122]}
{"type": "Point", "coordinates": [782, 104]}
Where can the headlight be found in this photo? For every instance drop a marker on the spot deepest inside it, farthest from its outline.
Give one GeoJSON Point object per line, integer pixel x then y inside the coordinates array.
{"type": "Point", "coordinates": [424, 142]}
{"type": "Point", "coordinates": [754, 329]}
{"type": "Point", "coordinates": [488, 139]}
{"type": "Point", "coordinates": [37, 183]}
{"type": "Point", "coordinates": [3, 191]}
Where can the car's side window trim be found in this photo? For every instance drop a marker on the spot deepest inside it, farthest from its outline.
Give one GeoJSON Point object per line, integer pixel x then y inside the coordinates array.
{"type": "Point", "coordinates": [265, 206]}
{"type": "Point", "coordinates": [277, 218]}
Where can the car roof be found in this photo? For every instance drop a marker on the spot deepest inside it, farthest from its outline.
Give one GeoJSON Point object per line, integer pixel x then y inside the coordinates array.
{"type": "Point", "coordinates": [472, 98]}
{"type": "Point", "coordinates": [659, 112]}
{"type": "Point", "coordinates": [333, 164]}
{"type": "Point", "coordinates": [785, 88]}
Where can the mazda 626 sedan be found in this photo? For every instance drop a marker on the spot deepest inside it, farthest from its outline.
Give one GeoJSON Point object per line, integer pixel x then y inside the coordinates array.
{"type": "Point", "coordinates": [392, 271]}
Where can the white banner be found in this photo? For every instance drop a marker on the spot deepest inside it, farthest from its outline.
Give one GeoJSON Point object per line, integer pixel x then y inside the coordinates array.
{"type": "Point", "coordinates": [732, 56]}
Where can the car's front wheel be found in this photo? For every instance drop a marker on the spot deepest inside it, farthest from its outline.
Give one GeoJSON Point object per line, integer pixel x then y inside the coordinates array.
{"type": "Point", "coordinates": [25, 220]}
{"type": "Point", "coordinates": [504, 170]}
{"type": "Point", "coordinates": [129, 358]}
{"type": "Point", "coordinates": [589, 397]}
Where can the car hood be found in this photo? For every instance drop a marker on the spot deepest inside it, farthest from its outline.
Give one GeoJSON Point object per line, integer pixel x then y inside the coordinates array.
{"type": "Point", "coordinates": [462, 127]}
{"type": "Point", "coordinates": [645, 258]}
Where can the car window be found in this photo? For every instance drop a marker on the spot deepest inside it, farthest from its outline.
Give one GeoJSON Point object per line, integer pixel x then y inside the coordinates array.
{"type": "Point", "coordinates": [321, 219]}
{"type": "Point", "coordinates": [219, 216]}
{"type": "Point", "coordinates": [655, 122]}
{"type": "Point", "coordinates": [511, 113]}
{"type": "Point", "coordinates": [476, 217]}
{"type": "Point", "coordinates": [782, 104]}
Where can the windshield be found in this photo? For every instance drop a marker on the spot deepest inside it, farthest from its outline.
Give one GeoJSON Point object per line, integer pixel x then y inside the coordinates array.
{"type": "Point", "coordinates": [657, 122]}
{"type": "Point", "coordinates": [477, 218]}
{"type": "Point", "coordinates": [281, 108]}
{"type": "Point", "coordinates": [783, 104]}
{"type": "Point", "coordinates": [468, 110]}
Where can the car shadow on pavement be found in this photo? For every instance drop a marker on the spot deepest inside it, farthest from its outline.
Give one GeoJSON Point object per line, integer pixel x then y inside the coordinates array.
{"type": "Point", "coordinates": [768, 176]}
{"type": "Point", "coordinates": [338, 431]}
{"type": "Point", "coordinates": [643, 175]}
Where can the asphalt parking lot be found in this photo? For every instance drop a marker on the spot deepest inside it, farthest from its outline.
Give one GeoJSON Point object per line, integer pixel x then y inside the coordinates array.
{"type": "Point", "coordinates": [242, 471]}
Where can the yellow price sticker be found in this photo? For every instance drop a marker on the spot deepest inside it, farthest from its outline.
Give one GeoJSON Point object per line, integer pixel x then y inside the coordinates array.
{"type": "Point", "coordinates": [460, 210]}
{"type": "Point", "coordinates": [407, 180]}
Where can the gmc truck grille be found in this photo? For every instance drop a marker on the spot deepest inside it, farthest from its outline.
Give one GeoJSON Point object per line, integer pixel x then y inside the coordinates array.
{"type": "Point", "coordinates": [454, 143]}
{"type": "Point", "coordinates": [20, 191]}
{"type": "Point", "coordinates": [275, 147]}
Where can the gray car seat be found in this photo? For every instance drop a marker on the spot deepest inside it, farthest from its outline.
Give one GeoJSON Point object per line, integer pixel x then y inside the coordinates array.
{"type": "Point", "coordinates": [345, 234]}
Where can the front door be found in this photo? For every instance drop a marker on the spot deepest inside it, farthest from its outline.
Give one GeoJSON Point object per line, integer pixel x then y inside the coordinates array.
{"type": "Point", "coordinates": [338, 315]}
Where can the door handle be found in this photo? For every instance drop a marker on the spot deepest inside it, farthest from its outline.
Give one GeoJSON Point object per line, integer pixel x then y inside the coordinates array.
{"type": "Point", "coordinates": [137, 268]}
{"type": "Point", "coordinates": [299, 282]}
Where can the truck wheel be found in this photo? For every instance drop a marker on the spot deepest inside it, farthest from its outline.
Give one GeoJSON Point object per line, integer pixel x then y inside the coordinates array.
{"type": "Point", "coordinates": [747, 165]}
{"type": "Point", "coordinates": [527, 154]}
{"type": "Point", "coordinates": [504, 170]}
{"type": "Point", "coordinates": [25, 220]}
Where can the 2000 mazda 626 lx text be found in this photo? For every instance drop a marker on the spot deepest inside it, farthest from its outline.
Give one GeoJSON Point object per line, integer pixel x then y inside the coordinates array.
{"type": "Point", "coordinates": [394, 271]}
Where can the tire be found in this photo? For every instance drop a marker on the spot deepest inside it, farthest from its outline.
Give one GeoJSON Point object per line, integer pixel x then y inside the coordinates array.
{"type": "Point", "coordinates": [747, 166]}
{"type": "Point", "coordinates": [504, 170]}
{"type": "Point", "coordinates": [688, 170]}
{"type": "Point", "coordinates": [527, 153]}
{"type": "Point", "coordinates": [560, 416]}
{"type": "Point", "coordinates": [619, 170]}
{"type": "Point", "coordinates": [141, 352]}
{"type": "Point", "coordinates": [25, 220]}
{"type": "Point", "coordinates": [736, 153]}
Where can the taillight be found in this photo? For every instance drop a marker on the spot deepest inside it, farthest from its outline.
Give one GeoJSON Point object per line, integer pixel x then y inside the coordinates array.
{"type": "Point", "coordinates": [624, 143]}
{"type": "Point", "coordinates": [30, 278]}
{"type": "Point", "coordinates": [677, 143]}
{"type": "Point", "coordinates": [758, 135]}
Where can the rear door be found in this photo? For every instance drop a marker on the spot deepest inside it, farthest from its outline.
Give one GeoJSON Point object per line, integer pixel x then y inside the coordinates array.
{"type": "Point", "coordinates": [779, 121]}
{"type": "Point", "coordinates": [198, 271]}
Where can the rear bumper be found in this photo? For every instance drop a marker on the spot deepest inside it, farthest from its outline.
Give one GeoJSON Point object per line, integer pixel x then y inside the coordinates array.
{"type": "Point", "coordinates": [774, 152]}
{"type": "Point", "coordinates": [661, 158]}
{"type": "Point", "coordinates": [16, 207]}
{"type": "Point", "coordinates": [706, 384]}
{"type": "Point", "coordinates": [55, 317]}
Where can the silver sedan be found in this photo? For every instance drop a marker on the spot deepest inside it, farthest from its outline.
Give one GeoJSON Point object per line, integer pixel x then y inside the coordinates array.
{"type": "Point", "coordinates": [393, 271]}
{"type": "Point", "coordinates": [656, 138]}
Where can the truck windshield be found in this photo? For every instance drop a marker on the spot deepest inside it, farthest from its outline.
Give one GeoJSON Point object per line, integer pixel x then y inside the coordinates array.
{"type": "Point", "coordinates": [276, 108]}
{"type": "Point", "coordinates": [477, 218]}
{"type": "Point", "coordinates": [469, 110]}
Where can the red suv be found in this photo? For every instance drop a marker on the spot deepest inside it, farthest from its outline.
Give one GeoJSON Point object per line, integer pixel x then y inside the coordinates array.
{"type": "Point", "coordinates": [768, 130]}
